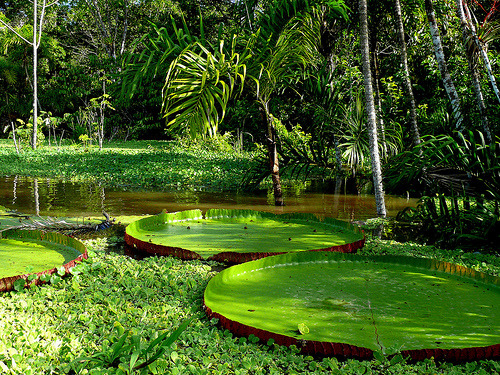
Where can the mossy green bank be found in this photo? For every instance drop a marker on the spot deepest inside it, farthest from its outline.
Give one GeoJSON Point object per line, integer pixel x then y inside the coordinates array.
{"type": "Point", "coordinates": [148, 164]}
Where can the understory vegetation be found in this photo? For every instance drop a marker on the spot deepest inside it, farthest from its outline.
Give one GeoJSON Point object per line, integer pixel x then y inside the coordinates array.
{"type": "Point", "coordinates": [115, 312]}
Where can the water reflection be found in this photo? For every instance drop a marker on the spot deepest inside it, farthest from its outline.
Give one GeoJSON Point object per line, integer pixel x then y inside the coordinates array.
{"type": "Point", "coordinates": [49, 197]}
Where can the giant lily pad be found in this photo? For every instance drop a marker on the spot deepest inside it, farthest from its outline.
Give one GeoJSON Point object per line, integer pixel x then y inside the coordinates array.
{"type": "Point", "coordinates": [27, 252]}
{"type": "Point", "coordinates": [350, 305]}
{"type": "Point", "coordinates": [237, 236]}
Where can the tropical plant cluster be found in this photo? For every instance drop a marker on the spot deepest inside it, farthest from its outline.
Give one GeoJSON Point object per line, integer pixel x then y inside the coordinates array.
{"type": "Point", "coordinates": [118, 315]}
{"type": "Point", "coordinates": [335, 88]}
{"type": "Point", "coordinates": [460, 179]}
{"type": "Point", "coordinates": [119, 69]}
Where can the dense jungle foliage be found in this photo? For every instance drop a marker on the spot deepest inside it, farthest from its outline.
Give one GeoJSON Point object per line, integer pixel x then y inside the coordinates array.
{"type": "Point", "coordinates": [107, 61]}
{"type": "Point", "coordinates": [281, 76]}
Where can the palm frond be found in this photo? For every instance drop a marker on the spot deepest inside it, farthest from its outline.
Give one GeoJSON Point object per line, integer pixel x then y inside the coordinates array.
{"type": "Point", "coordinates": [198, 86]}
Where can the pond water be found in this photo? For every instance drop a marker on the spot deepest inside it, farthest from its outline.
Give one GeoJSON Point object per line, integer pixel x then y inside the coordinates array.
{"type": "Point", "coordinates": [56, 198]}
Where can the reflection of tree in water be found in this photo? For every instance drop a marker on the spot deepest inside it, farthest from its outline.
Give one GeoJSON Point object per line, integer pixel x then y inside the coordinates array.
{"type": "Point", "coordinates": [36, 196]}
{"type": "Point", "coordinates": [94, 194]}
{"type": "Point", "coordinates": [14, 191]}
{"type": "Point", "coordinates": [76, 198]}
{"type": "Point", "coordinates": [48, 195]}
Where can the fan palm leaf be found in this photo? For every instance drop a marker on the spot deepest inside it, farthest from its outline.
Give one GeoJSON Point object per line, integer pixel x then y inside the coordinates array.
{"type": "Point", "coordinates": [199, 85]}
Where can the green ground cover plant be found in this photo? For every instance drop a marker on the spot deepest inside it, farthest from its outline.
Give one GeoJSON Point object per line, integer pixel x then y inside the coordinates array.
{"type": "Point", "coordinates": [55, 329]}
{"type": "Point", "coordinates": [148, 164]}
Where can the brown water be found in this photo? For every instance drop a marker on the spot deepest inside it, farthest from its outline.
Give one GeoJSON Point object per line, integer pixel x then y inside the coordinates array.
{"type": "Point", "coordinates": [48, 197]}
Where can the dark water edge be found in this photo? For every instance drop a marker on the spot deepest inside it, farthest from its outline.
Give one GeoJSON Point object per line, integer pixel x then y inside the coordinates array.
{"type": "Point", "coordinates": [57, 198]}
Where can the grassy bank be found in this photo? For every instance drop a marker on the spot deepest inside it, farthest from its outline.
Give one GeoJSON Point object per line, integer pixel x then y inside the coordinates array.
{"type": "Point", "coordinates": [56, 329]}
{"type": "Point", "coordinates": [149, 164]}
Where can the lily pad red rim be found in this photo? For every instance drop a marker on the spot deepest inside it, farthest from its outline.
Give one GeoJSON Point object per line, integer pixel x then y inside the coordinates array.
{"type": "Point", "coordinates": [345, 350]}
{"type": "Point", "coordinates": [230, 257]}
{"type": "Point", "coordinates": [7, 283]}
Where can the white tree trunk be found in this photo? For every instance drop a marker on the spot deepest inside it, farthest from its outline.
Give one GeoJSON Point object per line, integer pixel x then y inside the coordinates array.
{"type": "Point", "coordinates": [35, 75]}
{"type": "Point", "coordinates": [35, 43]}
{"type": "Point", "coordinates": [473, 72]}
{"type": "Point", "coordinates": [443, 69]}
{"type": "Point", "coordinates": [406, 72]}
{"type": "Point", "coordinates": [370, 111]}
{"type": "Point", "coordinates": [482, 52]}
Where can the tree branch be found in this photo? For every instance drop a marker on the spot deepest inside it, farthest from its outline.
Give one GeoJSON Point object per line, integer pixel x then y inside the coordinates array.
{"type": "Point", "coordinates": [15, 32]}
{"type": "Point", "coordinates": [41, 23]}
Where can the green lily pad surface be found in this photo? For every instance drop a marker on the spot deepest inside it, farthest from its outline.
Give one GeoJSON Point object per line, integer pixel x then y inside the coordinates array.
{"type": "Point", "coordinates": [236, 236]}
{"type": "Point", "coordinates": [24, 252]}
{"type": "Point", "coordinates": [351, 305]}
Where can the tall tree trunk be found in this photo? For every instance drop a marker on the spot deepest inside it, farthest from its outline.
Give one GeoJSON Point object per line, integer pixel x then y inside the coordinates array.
{"type": "Point", "coordinates": [378, 103]}
{"type": "Point", "coordinates": [406, 73]}
{"type": "Point", "coordinates": [443, 69]}
{"type": "Point", "coordinates": [35, 43]}
{"type": "Point", "coordinates": [482, 52]}
{"type": "Point", "coordinates": [476, 84]}
{"type": "Point", "coordinates": [272, 153]}
{"type": "Point", "coordinates": [370, 111]}
{"type": "Point", "coordinates": [14, 135]}
{"type": "Point", "coordinates": [35, 76]}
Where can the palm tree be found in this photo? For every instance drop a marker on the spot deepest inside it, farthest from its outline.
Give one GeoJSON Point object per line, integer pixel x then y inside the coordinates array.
{"type": "Point", "coordinates": [406, 79]}
{"type": "Point", "coordinates": [201, 81]}
{"type": "Point", "coordinates": [490, 31]}
{"type": "Point", "coordinates": [370, 111]}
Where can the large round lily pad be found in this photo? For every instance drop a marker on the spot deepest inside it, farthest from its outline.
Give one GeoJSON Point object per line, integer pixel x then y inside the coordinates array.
{"type": "Point", "coordinates": [350, 305]}
{"type": "Point", "coordinates": [237, 236]}
{"type": "Point", "coordinates": [26, 252]}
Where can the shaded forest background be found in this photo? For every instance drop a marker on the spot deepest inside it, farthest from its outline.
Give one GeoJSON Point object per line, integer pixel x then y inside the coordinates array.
{"type": "Point", "coordinates": [90, 51]}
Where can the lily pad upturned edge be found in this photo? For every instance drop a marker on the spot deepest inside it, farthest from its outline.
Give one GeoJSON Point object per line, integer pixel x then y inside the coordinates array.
{"type": "Point", "coordinates": [345, 350]}
{"type": "Point", "coordinates": [228, 257]}
{"type": "Point", "coordinates": [7, 283]}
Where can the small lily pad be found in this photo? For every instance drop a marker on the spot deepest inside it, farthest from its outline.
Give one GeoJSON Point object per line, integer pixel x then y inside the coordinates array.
{"type": "Point", "coordinates": [32, 256]}
{"type": "Point", "coordinates": [302, 328]}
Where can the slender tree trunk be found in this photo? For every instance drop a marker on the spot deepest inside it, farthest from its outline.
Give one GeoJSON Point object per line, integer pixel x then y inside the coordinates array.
{"type": "Point", "coordinates": [125, 27]}
{"type": "Point", "coordinates": [406, 73]}
{"type": "Point", "coordinates": [443, 69]}
{"type": "Point", "coordinates": [373, 43]}
{"type": "Point", "coordinates": [370, 111]}
{"type": "Point", "coordinates": [273, 157]}
{"type": "Point", "coordinates": [100, 130]}
{"type": "Point", "coordinates": [14, 135]}
{"type": "Point", "coordinates": [474, 74]}
{"type": "Point", "coordinates": [378, 104]}
{"type": "Point", "coordinates": [482, 52]}
{"type": "Point", "coordinates": [35, 43]}
{"type": "Point", "coordinates": [35, 75]}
